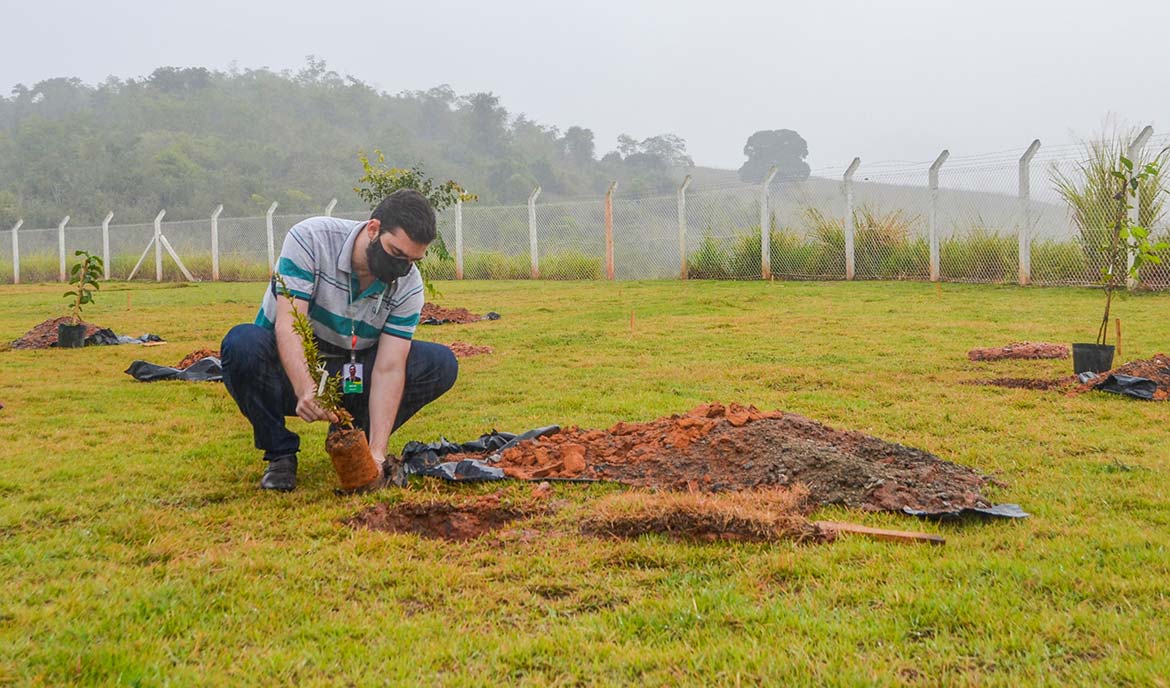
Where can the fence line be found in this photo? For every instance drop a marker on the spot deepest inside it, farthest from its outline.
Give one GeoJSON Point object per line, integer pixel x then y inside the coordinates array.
{"type": "Point", "coordinates": [982, 218]}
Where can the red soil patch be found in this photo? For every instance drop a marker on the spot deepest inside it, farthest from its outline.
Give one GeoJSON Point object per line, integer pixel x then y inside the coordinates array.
{"type": "Point", "coordinates": [463, 349]}
{"type": "Point", "coordinates": [715, 448]}
{"type": "Point", "coordinates": [1156, 369]}
{"type": "Point", "coordinates": [44, 335]}
{"type": "Point", "coordinates": [196, 356]}
{"type": "Point", "coordinates": [442, 520]}
{"type": "Point", "coordinates": [460, 316]}
{"type": "Point", "coordinates": [1020, 350]}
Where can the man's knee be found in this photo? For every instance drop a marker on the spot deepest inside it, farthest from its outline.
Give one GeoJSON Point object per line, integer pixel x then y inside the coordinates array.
{"type": "Point", "coordinates": [245, 342]}
{"type": "Point", "coordinates": [448, 369]}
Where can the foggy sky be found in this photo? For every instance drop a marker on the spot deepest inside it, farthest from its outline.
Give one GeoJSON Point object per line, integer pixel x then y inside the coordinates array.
{"type": "Point", "coordinates": [893, 80]}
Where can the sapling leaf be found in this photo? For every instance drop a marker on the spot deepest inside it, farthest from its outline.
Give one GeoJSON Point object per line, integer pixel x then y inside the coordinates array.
{"type": "Point", "coordinates": [1126, 163]}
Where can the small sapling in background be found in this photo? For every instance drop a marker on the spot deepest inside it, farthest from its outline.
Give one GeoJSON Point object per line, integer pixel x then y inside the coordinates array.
{"type": "Point", "coordinates": [1129, 248]}
{"type": "Point", "coordinates": [84, 277]}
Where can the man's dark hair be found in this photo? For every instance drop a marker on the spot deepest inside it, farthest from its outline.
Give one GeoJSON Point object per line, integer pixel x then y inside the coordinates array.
{"type": "Point", "coordinates": [410, 210]}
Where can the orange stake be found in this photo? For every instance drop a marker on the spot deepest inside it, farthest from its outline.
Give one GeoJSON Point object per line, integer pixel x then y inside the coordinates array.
{"type": "Point", "coordinates": [1119, 339]}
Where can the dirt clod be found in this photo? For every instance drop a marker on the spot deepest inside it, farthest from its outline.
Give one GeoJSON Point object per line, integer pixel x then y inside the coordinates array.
{"type": "Point", "coordinates": [196, 356]}
{"type": "Point", "coordinates": [464, 350]}
{"type": "Point", "coordinates": [441, 520]}
{"type": "Point", "coordinates": [716, 448]}
{"type": "Point", "coordinates": [44, 335]}
{"type": "Point", "coordinates": [1020, 350]}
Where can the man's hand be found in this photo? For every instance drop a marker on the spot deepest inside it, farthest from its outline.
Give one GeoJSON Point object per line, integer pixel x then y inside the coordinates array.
{"type": "Point", "coordinates": [309, 410]}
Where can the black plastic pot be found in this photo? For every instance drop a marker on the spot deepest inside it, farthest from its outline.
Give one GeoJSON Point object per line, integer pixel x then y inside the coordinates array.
{"type": "Point", "coordinates": [70, 336]}
{"type": "Point", "coordinates": [1092, 358]}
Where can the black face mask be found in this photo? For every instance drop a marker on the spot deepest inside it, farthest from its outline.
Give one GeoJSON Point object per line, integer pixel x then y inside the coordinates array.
{"type": "Point", "coordinates": [383, 265]}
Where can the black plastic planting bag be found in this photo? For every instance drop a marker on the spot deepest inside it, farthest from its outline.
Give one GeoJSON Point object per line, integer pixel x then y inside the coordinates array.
{"type": "Point", "coordinates": [428, 459]}
{"type": "Point", "coordinates": [204, 370]}
{"type": "Point", "coordinates": [997, 511]}
{"type": "Point", "coordinates": [1130, 386]}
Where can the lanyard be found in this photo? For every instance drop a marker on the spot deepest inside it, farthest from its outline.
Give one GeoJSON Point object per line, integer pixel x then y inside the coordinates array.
{"type": "Point", "coordinates": [351, 312]}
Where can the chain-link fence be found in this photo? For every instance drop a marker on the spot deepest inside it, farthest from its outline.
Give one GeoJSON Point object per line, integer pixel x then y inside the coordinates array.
{"type": "Point", "coordinates": [1028, 216]}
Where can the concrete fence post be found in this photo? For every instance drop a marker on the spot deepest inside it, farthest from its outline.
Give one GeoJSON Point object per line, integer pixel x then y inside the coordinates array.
{"type": "Point", "coordinates": [271, 236]}
{"type": "Point", "coordinates": [16, 251]}
{"type": "Point", "coordinates": [1134, 153]}
{"type": "Point", "coordinates": [459, 239]}
{"type": "Point", "coordinates": [933, 217]}
{"type": "Point", "coordinates": [609, 271]}
{"type": "Point", "coordinates": [215, 242]}
{"type": "Point", "coordinates": [63, 273]}
{"type": "Point", "coordinates": [329, 208]}
{"type": "Point", "coordinates": [158, 247]}
{"type": "Point", "coordinates": [850, 230]}
{"type": "Point", "coordinates": [1025, 232]}
{"type": "Point", "coordinates": [532, 247]}
{"type": "Point", "coordinates": [765, 235]}
{"type": "Point", "coordinates": [106, 244]}
{"type": "Point", "coordinates": [682, 227]}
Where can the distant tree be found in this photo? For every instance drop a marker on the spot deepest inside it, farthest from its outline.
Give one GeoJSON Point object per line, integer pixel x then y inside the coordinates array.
{"type": "Point", "coordinates": [783, 148]}
{"type": "Point", "coordinates": [577, 144]}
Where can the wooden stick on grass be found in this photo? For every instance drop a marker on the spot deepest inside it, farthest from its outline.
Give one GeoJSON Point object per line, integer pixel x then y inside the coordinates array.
{"type": "Point", "coordinates": [904, 536]}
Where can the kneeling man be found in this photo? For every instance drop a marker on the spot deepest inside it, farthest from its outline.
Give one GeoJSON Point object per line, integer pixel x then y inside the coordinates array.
{"type": "Point", "coordinates": [360, 287]}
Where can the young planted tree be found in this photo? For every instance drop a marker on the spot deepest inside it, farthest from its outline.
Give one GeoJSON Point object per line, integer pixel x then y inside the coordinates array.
{"type": "Point", "coordinates": [347, 446]}
{"type": "Point", "coordinates": [84, 276]}
{"type": "Point", "coordinates": [1129, 246]}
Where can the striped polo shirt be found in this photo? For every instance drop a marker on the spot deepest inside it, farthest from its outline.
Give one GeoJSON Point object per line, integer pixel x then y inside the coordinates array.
{"type": "Point", "coordinates": [316, 262]}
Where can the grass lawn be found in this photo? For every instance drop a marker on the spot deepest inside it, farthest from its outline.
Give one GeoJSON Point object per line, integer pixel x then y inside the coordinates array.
{"type": "Point", "coordinates": [136, 549]}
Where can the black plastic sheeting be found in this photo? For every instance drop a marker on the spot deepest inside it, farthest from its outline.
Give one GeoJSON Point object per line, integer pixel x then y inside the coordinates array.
{"type": "Point", "coordinates": [107, 337]}
{"type": "Point", "coordinates": [443, 321]}
{"type": "Point", "coordinates": [204, 370]}
{"type": "Point", "coordinates": [997, 511]}
{"type": "Point", "coordinates": [427, 459]}
{"type": "Point", "coordinates": [1128, 385]}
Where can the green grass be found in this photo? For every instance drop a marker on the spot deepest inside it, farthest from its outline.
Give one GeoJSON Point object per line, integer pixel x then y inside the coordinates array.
{"type": "Point", "coordinates": [136, 549]}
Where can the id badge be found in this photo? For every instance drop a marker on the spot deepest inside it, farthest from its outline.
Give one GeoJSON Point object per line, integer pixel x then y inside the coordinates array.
{"type": "Point", "coordinates": [352, 380]}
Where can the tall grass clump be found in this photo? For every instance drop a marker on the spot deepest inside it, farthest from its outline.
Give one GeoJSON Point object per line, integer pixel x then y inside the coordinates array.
{"type": "Point", "coordinates": [709, 261]}
{"type": "Point", "coordinates": [884, 245]}
{"type": "Point", "coordinates": [1090, 191]}
{"type": "Point", "coordinates": [979, 255]}
{"type": "Point", "coordinates": [494, 265]}
{"type": "Point", "coordinates": [570, 265]}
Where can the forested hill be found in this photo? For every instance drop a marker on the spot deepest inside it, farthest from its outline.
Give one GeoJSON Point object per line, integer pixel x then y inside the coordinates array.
{"type": "Point", "coordinates": [189, 139]}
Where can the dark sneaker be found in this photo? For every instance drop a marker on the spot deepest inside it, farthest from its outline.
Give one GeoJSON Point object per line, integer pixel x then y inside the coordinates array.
{"type": "Point", "coordinates": [281, 474]}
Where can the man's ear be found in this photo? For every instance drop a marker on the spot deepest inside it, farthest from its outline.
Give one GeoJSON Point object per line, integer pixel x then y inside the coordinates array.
{"type": "Point", "coordinates": [372, 228]}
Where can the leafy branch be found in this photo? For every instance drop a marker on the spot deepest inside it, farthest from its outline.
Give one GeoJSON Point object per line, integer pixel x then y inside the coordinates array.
{"type": "Point", "coordinates": [328, 387]}
{"type": "Point", "coordinates": [379, 181]}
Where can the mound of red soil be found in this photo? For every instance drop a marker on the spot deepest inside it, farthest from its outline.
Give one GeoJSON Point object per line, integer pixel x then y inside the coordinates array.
{"type": "Point", "coordinates": [716, 448]}
{"type": "Point", "coordinates": [196, 356]}
{"type": "Point", "coordinates": [441, 520]}
{"type": "Point", "coordinates": [1156, 369]}
{"type": "Point", "coordinates": [460, 316]}
{"type": "Point", "coordinates": [463, 349]}
{"type": "Point", "coordinates": [1042, 385]}
{"type": "Point", "coordinates": [1020, 350]}
{"type": "Point", "coordinates": [44, 335]}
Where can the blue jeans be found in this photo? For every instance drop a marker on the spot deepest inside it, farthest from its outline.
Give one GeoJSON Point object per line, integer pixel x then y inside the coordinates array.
{"type": "Point", "coordinates": [255, 378]}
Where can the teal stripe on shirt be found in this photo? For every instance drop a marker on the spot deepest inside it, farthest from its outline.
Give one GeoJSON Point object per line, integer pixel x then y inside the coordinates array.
{"type": "Point", "coordinates": [286, 267]}
{"type": "Point", "coordinates": [403, 320]}
{"type": "Point", "coordinates": [340, 324]}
